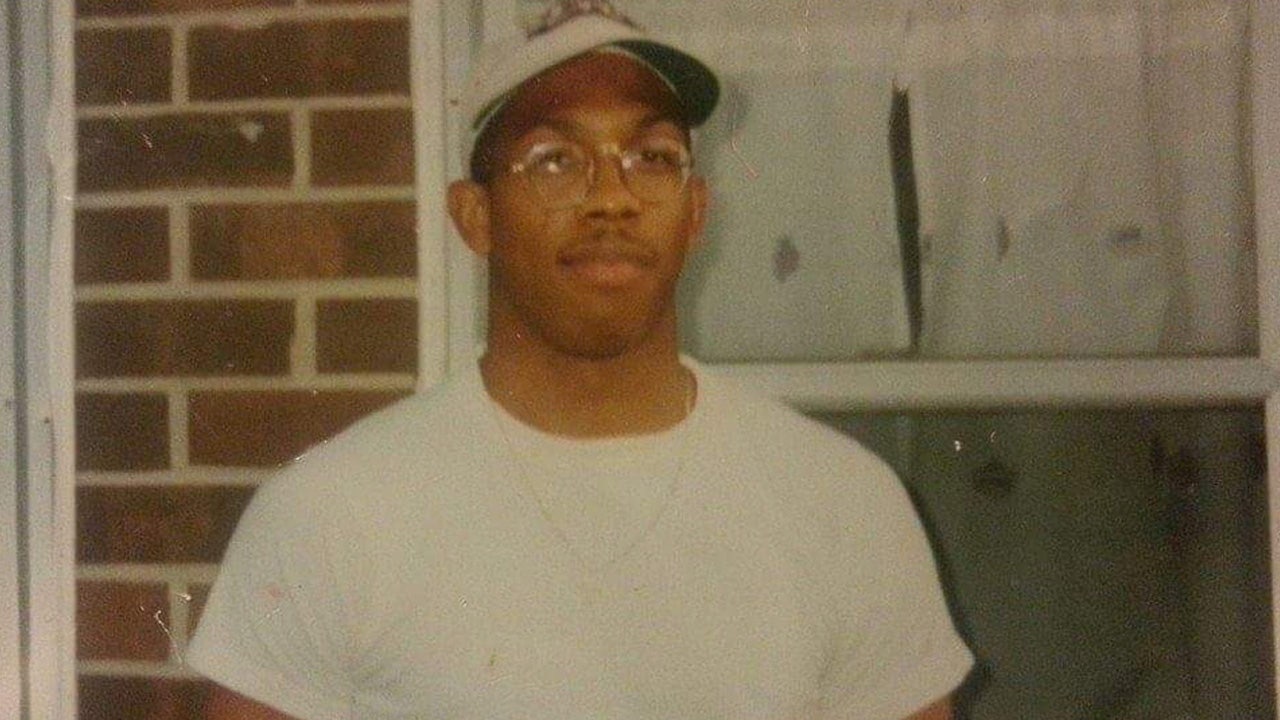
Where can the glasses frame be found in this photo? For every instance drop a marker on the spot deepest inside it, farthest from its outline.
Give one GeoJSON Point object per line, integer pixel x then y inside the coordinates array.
{"type": "Point", "coordinates": [626, 159]}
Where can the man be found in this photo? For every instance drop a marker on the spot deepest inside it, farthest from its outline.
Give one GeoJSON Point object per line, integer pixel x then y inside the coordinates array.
{"type": "Point", "coordinates": [585, 525]}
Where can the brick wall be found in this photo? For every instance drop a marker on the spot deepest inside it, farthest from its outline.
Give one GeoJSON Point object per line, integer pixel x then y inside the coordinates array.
{"type": "Point", "coordinates": [245, 286]}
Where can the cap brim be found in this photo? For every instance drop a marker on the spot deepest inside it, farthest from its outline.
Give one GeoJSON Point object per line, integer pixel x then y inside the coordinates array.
{"type": "Point", "coordinates": [501, 69]}
{"type": "Point", "coordinates": [695, 85]}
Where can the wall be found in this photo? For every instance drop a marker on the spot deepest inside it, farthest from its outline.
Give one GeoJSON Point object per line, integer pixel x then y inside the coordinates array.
{"type": "Point", "coordinates": [245, 287]}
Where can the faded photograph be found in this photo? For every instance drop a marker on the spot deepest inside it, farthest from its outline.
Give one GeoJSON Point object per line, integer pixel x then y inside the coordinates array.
{"type": "Point", "coordinates": [417, 350]}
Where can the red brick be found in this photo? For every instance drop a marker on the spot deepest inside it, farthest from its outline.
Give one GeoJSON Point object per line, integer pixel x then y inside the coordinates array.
{"type": "Point", "coordinates": [362, 147]}
{"type": "Point", "coordinates": [288, 59]}
{"type": "Point", "coordinates": [367, 335]}
{"type": "Point", "coordinates": [122, 245]}
{"type": "Point", "coordinates": [259, 429]}
{"type": "Point", "coordinates": [199, 337]}
{"type": "Point", "coordinates": [185, 150]}
{"type": "Point", "coordinates": [118, 698]}
{"type": "Point", "coordinates": [118, 432]}
{"type": "Point", "coordinates": [89, 8]}
{"type": "Point", "coordinates": [122, 66]}
{"type": "Point", "coordinates": [231, 242]}
{"type": "Point", "coordinates": [162, 524]}
{"type": "Point", "coordinates": [117, 621]}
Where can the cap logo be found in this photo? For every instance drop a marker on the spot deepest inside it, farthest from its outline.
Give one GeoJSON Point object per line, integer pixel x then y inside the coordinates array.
{"type": "Point", "coordinates": [563, 11]}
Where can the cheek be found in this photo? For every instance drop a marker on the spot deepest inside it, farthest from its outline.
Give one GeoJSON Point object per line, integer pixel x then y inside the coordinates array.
{"type": "Point", "coordinates": [519, 228]}
{"type": "Point", "coordinates": [685, 231]}
{"type": "Point", "coordinates": [524, 251]}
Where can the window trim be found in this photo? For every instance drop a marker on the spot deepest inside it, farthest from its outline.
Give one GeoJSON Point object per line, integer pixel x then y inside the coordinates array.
{"type": "Point", "coordinates": [41, 76]}
{"type": "Point", "coordinates": [973, 384]}
{"type": "Point", "coordinates": [11, 585]}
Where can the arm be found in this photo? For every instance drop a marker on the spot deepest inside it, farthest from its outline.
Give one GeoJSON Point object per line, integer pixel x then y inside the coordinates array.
{"type": "Point", "coordinates": [270, 637]}
{"type": "Point", "coordinates": [225, 704]}
{"type": "Point", "coordinates": [899, 653]}
{"type": "Point", "coordinates": [940, 710]}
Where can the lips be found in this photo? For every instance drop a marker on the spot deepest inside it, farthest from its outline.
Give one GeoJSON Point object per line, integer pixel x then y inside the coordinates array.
{"type": "Point", "coordinates": [607, 263]}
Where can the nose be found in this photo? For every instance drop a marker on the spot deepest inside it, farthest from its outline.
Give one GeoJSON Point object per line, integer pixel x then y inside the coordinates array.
{"type": "Point", "coordinates": [607, 191]}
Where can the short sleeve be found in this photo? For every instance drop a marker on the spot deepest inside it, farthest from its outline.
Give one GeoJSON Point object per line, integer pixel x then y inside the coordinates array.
{"type": "Point", "coordinates": [897, 649]}
{"type": "Point", "coordinates": [275, 628]}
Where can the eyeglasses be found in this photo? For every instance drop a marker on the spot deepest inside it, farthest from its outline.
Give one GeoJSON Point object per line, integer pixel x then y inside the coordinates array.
{"type": "Point", "coordinates": [563, 172]}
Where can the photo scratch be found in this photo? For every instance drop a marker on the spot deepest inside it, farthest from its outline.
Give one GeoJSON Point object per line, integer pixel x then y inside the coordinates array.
{"type": "Point", "coordinates": [173, 643]}
{"type": "Point", "coordinates": [804, 32]}
{"type": "Point", "coordinates": [737, 154]}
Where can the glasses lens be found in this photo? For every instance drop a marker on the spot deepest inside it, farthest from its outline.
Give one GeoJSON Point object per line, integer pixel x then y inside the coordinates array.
{"type": "Point", "coordinates": [559, 172]}
{"type": "Point", "coordinates": [656, 169]}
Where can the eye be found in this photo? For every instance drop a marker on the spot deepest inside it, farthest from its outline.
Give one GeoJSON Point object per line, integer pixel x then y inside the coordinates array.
{"type": "Point", "coordinates": [658, 156]}
{"type": "Point", "coordinates": [553, 159]}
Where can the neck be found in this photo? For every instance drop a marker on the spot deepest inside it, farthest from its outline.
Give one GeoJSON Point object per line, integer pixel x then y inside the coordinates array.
{"type": "Point", "coordinates": [642, 390]}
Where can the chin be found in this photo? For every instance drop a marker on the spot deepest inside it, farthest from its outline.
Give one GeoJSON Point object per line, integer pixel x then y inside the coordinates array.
{"type": "Point", "coordinates": [601, 338]}
{"type": "Point", "coordinates": [588, 328]}
{"type": "Point", "coordinates": [595, 345]}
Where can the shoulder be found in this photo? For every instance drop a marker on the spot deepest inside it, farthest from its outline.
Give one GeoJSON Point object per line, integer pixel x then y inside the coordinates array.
{"type": "Point", "coordinates": [773, 428]}
{"type": "Point", "coordinates": [432, 417]}
{"type": "Point", "coordinates": [402, 450]}
{"type": "Point", "coordinates": [813, 474]}
{"type": "Point", "coordinates": [846, 508]}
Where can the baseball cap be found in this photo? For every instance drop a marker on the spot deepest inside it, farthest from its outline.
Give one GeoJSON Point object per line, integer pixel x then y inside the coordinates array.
{"type": "Point", "coordinates": [568, 29]}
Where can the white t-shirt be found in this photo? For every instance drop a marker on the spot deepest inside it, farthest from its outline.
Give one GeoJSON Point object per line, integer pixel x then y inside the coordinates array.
{"type": "Point", "coordinates": [429, 564]}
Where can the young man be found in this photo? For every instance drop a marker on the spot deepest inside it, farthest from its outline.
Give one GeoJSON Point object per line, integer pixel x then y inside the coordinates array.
{"type": "Point", "coordinates": [585, 525]}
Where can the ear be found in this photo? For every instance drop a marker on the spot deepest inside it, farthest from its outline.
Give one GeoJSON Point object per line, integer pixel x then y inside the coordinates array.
{"type": "Point", "coordinates": [699, 197]}
{"type": "Point", "coordinates": [469, 208]}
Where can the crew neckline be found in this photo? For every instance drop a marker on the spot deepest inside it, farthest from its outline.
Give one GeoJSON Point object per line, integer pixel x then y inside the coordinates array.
{"type": "Point", "coordinates": [527, 435]}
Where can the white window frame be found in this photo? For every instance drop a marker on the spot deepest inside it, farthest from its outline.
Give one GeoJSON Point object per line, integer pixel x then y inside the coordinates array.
{"type": "Point", "coordinates": [909, 384]}
{"type": "Point", "coordinates": [37, 505]}
{"type": "Point", "coordinates": [11, 587]}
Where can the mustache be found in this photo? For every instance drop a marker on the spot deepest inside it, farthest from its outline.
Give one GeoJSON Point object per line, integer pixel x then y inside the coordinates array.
{"type": "Point", "coordinates": [608, 246]}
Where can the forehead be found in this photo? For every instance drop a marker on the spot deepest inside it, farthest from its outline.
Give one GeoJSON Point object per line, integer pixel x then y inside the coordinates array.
{"type": "Point", "coordinates": [594, 83]}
